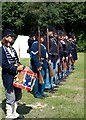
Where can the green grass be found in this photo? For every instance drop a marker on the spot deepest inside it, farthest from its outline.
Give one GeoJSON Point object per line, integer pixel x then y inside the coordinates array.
{"type": "Point", "coordinates": [25, 61]}
{"type": "Point", "coordinates": [66, 102]}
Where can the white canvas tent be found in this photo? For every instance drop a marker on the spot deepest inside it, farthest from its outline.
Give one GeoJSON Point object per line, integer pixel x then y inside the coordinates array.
{"type": "Point", "coordinates": [21, 46]}
{"type": "Point", "coordinates": [0, 44]}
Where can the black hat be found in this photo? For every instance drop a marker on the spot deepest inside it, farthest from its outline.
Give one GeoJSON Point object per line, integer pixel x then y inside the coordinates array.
{"type": "Point", "coordinates": [71, 35]}
{"type": "Point", "coordinates": [33, 33]}
{"type": "Point", "coordinates": [8, 32]}
{"type": "Point", "coordinates": [41, 34]}
{"type": "Point", "coordinates": [61, 33]}
{"type": "Point", "coordinates": [50, 28]}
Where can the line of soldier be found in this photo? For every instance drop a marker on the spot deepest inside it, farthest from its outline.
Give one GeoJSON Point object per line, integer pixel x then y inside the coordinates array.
{"type": "Point", "coordinates": [52, 57]}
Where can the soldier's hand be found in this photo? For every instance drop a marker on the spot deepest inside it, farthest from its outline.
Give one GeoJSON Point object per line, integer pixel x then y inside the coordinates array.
{"type": "Point", "coordinates": [58, 61]}
{"type": "Point", "coordinates": [67, 58]}
{"type": "Point", "coordinates": [70, 55]}
{"type": "Point", "coordinates": [63, 58]}
{"type": "Point", "coordinates": [20, 67]}
{"type": "Point", "coordinates": [40, 68]}
{"type": "Point", "coordinates": [46, 55]}
{"type": "Point", "coordinates": [49, 61]}
{"type": "Point", "coordinates": [27, 68]}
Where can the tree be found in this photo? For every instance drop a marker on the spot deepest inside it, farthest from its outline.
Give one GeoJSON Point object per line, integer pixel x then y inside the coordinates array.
{"type": "Point", "coordinates": [25, 17]}
{"type": "Point", "coordinates": [12, 16]}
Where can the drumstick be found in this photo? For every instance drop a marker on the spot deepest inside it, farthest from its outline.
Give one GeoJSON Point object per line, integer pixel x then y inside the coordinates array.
{"type": "Point", "coordinates": [33, 84]}
{"type": "Point", "coordinates": [24, 76]}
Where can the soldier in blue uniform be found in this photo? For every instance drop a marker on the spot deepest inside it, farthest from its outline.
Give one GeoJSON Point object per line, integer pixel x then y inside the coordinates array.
{"type": "Point", "coordinates": [60, 49]}
{"type": "Point", "coordinates": [73, 49]}
{"type": "Point", "coordinates": [38, 65]}
{"type": "Point", "coordinates": [65, 54]}
{"type": "Point", "coordinates": [8, 60]}
{"type": "Point", "coordinates": [69, 55]}
{"type": "Point", "coordinates": [48, 79]}
{"type": "Point", "coordinates": [31, 40]}
{"type": "Point", "coordinates": [53, 57]}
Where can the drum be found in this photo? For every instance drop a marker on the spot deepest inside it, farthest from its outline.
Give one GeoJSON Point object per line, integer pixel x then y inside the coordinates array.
{"type": "Point", "coordinates": [25, 80]}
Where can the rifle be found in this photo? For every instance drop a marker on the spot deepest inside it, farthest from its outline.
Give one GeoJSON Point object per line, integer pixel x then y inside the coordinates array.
{"type": "Point", "coordinates": [39, 46]}
{"type": "Point", "coordinates": [72, 61]}
{"type": "Point", "coordinates": [41, 81]}
{"type": "Point", "coordinates": [64, 65]}
{"type": "Point", "coordinates": [47, 41]}
{"type": "Point", "coordinates": [68, 62]}
{"type": "Point", "coordinates": [50, 69]}
{"type": "Point", "coordinates": [19, 51]}
{"type": "Point", "coordinates": [59, 68]}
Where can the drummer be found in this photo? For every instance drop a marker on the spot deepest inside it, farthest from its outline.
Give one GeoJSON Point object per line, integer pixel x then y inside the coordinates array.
{"type": "Point", "coordinates": [8, 62]}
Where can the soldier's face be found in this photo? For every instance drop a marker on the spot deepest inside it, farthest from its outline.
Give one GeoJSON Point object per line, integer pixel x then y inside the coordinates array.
{"type": "Point", "coordinates": [34, 37]}
{"type": "Point", "coordinates": [50, 33]}
{"type": "Point", "coordinates": [42, 39]}
{"type": "Point", "coordinates": [60, 37]}
{"type": "Point", "coordinates": [9, 40]}
{"type": "Point", "coordinates": [66, 37]}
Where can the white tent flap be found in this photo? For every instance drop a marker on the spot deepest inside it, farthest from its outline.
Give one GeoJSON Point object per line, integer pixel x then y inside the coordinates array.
{"type": "Point", "coordinates": [21, 46]}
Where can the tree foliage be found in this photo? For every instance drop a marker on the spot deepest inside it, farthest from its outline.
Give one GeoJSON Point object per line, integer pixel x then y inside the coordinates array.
{"type": "Point", "coordinates": [23, 17]}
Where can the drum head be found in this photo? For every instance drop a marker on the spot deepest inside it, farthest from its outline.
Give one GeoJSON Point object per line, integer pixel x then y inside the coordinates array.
{"type": "Point", "coordinates": [25, 80]}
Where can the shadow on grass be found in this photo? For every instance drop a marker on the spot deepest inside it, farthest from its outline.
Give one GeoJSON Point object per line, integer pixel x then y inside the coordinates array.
{"type": "Point", "coordinates": [22, 108]}
{"type": "Point", "coordinates": [3, 105]}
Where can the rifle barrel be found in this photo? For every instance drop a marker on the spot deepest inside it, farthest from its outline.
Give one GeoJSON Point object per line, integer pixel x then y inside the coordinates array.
{"type": "Point", "coordinates": [47, 40]}
{"type": "Point", "coordinates": [39, 44]}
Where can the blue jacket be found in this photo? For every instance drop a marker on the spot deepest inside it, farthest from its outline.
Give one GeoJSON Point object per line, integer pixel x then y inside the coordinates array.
{"type": "Point", "coordinates": [34, 57]}
{"type": "Point", "coordinates": [53, 51]}
{"type": "Point", "coordinates": [8, 70]}
{"type": "Point", "coordinates": [74, 51]}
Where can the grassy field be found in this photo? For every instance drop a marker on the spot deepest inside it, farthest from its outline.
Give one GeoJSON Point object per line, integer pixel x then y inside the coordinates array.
{"type": "Point", "coordinates": [66, 102]}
